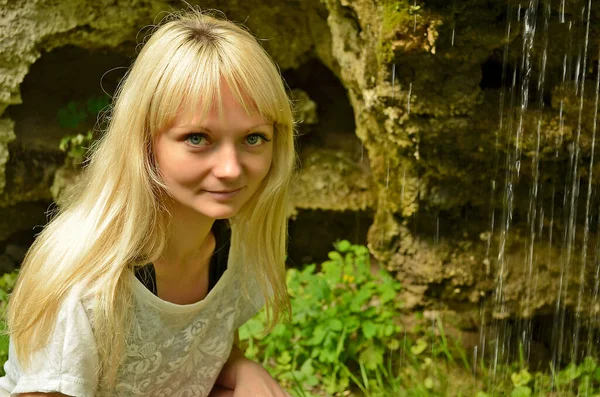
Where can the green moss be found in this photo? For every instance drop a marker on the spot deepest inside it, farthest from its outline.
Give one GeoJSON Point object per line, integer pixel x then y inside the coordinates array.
{"type": "Point", "coordinates": [396, 14]}
{"type": "Point", "coordinates": [385, 54]}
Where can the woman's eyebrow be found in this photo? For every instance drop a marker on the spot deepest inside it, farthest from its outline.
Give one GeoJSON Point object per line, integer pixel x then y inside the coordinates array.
{"type": "Point", "coordinates": [203, 128]}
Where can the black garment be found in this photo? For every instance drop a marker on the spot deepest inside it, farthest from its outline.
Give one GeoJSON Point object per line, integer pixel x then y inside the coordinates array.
{"type": "Point", "coordinates": [218, 262]}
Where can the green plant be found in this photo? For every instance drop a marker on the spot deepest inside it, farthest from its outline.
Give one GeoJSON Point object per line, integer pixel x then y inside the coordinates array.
{"type": "Point", "coordinates": [343, 322]}
{"type": "Point", "coordinates": [344, 339]}
{"type": "Point", "coordinates": [71, 117]}
{"type": "Point", "coordinates": [76, 147]}
{"type": "Point", "coordinates": [76, 112]}
{"type": "Point", "coordinates": [576, 379]}
{"type": "Point", "coordinates": [7, 283]}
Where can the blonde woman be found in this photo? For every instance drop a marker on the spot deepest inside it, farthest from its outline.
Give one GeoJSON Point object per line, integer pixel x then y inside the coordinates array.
{"type": "Point", "coordinates": [175, 238]}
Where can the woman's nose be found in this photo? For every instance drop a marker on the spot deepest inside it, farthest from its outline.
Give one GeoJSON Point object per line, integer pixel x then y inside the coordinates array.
{"type": "Point", "coordinates": [227, 163]}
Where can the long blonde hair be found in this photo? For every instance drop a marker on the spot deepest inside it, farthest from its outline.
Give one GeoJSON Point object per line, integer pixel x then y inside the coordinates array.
{"type": "Point", "coordinates": [116, 219]}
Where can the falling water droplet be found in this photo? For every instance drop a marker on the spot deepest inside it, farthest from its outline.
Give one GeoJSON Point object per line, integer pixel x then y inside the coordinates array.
{"type": "Point", "coordinates": [474, 369]}
{"type": "Point", "coordinates": [387, 178]}
{"type": "Point", "coordinates": [403, 184]}
{"type": "Point", "coordinates": [578, 312]}
{"type": "Point", "coordinates": [362, 152]}
{"type": "Point", "coordinates": [437, 230]}
{"type": "Point", "coordinates": [593, 314]}
{"type": "Point", "coordinates": [561, 127]}
{"type": "Point", "coordinates": [577, 68]}
{"type": "Point", "coordinates": [415, 17]}
{"type": "Point", "coordinates": [409, 96]}
{"type": "Point", "coordinates": [393, 79]}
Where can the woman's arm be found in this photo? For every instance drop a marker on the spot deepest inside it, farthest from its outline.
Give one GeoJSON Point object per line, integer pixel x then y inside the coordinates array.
{"type": "Point", "coordinates": [245, 377]}
{"type": "Point", "coordinates": [237, 360]}
{"type": "Point", "coordinates": [219, 391]}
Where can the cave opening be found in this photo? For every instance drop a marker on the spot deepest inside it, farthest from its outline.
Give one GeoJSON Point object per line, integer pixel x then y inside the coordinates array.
{"type": "Point", "coordinates": [495, 76]}
{"type": "Point", "coordinates": [335, 128]}
{"type": "Point", "coordinates": [61, 83]}
{"type": "Point", "coordinates": [491, 73]}
{"type": "Point", "coordinates": [313, 232]}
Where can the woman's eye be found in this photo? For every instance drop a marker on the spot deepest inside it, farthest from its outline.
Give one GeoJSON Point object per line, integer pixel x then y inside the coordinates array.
{"type": "Point", "coordinates": [195, 139]}
{"type": "Point", "coordinates": [254, 139]}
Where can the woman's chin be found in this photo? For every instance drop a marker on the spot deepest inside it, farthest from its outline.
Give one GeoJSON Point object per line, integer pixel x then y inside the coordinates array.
{"type": "Point", "coordinates": [218, 211]}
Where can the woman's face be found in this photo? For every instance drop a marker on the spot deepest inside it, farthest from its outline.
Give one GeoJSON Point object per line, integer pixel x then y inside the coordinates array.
{"type": "Point", "coordinates": [214, 166]}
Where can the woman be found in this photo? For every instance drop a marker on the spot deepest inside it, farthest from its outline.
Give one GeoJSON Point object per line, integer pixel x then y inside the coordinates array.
{"type": "Point", "coordinates": [176, 236]}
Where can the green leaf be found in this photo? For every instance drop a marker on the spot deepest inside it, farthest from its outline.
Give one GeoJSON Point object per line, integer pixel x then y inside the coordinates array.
{"type": "Point", "coordinates": [284, 358]}
{"type": "Point", "coordinates": [252, 329]}
{"type": "Point", "coordinates": [585, 386]}
{"type": "Point", "coordinates": [244, 333]}
{"type": "Point", "coordinates": [568, 375]}
{"type": "Point", "coordinates": [352, 323]}
{"type": "Point", "coordinates": [389, 329]}
{"type": "Point", "coordinates": [343, 246]}
{"type": "Point", "coordinates": [71, 115]}
{"type": "Point", "coordinates": [318, 335]}
{"type": "Point", "coordinates": [419, 347]}
{"type": "Point", "coordinates": [428, 383]}
{"type": "Point", "coordinates": [321, 290]}
{"type": "Point", "coordinates": [542, 381]}
{"type": "Point", "coordinates": [96, 104]}
{"type": "Point", "coordinates": [393, 344]}
{"type": "Point", "coordinates": [335, 324]}
{"type": "Point", "coordinates": [340, 343]}
{"type": "Point", "coordinates": [328, 351]}
{"type": "Point", "coordinates": [522, 378]}
{"type": "Point", "coordinates": [307, 367]}
{"type": "Point", "coordinates": [361, 251]}
{"type": "Point", "coordinates": [332, 272]}
{"type": "Point", "coordinates": [521, 391]}
{"type": "Point", "coordinates": [387, 292]}
{"type": "Point", "coordinates": [369, 329]}
{"type": "Point", "coordinates": [589, 365]}
{"type": "Point", "coordinates": [252, 351]}
{"type": "Point", "coordinates": [362, 297]}
{"type": "Point", "coordinates": [335, 256]}
{"type": "Point", "coordinates": [371, 357]}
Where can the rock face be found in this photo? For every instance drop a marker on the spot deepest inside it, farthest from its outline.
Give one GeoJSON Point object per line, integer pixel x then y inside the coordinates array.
{"type": "Point", "coordinates": [417, 124]}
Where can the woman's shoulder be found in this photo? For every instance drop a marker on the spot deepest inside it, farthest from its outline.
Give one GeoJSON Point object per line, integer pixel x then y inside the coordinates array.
{"type": "Point", "coordinates": [67, 362]}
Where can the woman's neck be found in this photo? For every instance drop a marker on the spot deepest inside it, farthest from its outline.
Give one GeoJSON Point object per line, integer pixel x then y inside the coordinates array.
{"type": "Point", "coordinates": [190, 245]}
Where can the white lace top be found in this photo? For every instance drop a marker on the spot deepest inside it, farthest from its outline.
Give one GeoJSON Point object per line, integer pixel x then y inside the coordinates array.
{"type": "Point", "coordinates": [173, 350]}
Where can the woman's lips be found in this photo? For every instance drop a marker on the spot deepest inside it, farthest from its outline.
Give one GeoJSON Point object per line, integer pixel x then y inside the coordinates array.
{"type": "Point", "coordinates": [224, 195]}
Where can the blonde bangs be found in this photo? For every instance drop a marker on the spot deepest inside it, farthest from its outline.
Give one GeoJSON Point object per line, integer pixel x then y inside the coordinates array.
{"type": "Point", "coordinates": [187, 83]}
{"type": "Point", "coordinates": [193, 74]}
{"type": "Point", "coordinates": [255, 80]}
